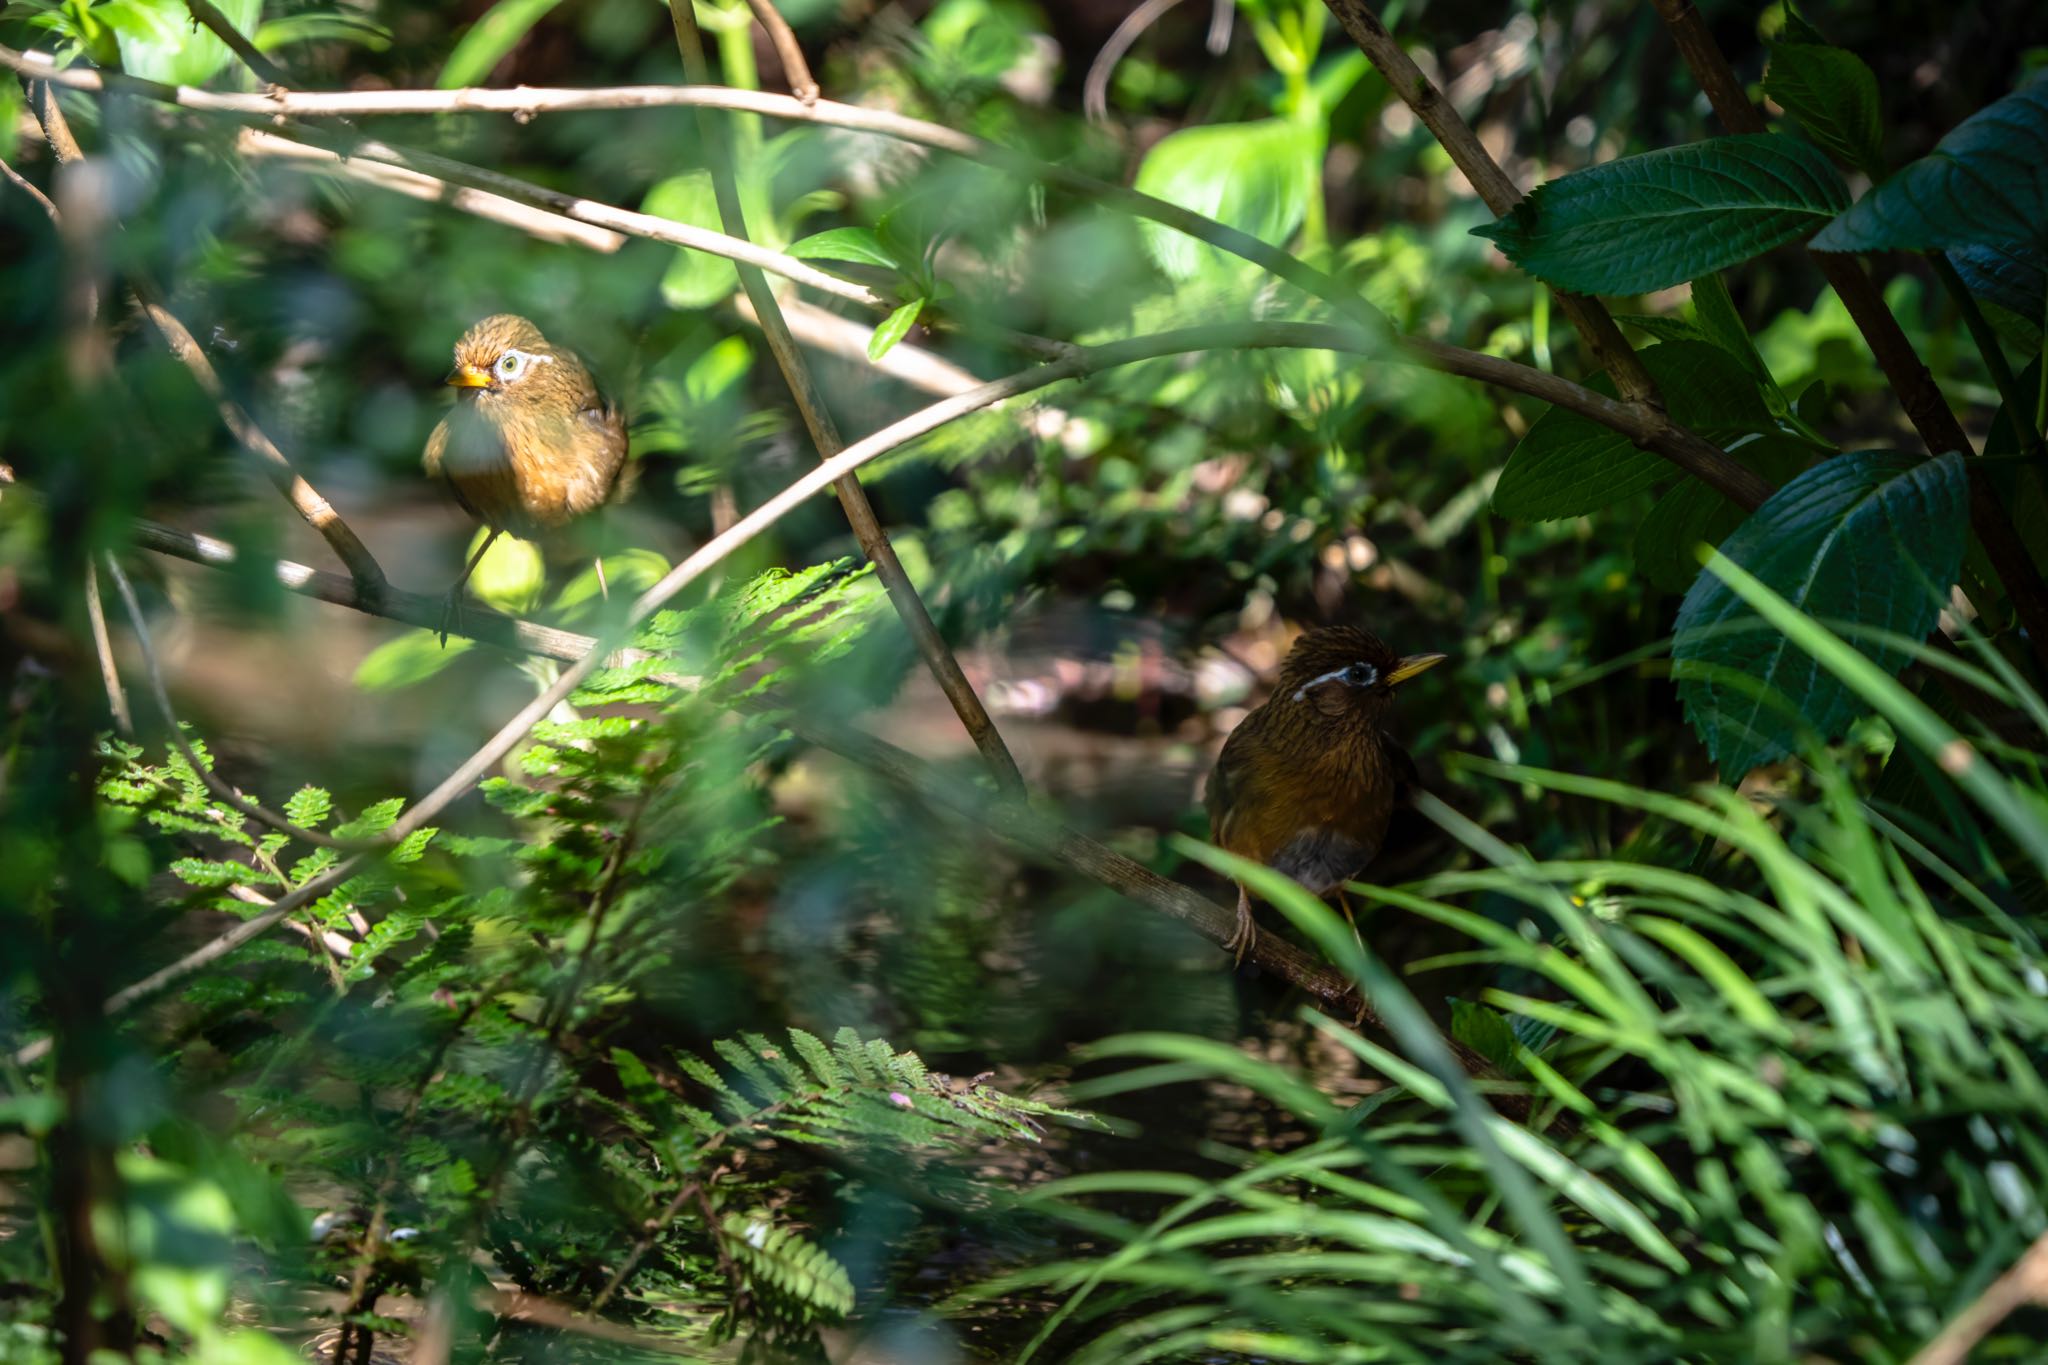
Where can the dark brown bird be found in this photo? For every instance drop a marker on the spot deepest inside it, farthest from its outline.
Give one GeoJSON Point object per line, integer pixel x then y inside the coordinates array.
{"type": "Point", "coordinates": [1308, 781]}
{"type": "Point", "coordinates": [532, 443]}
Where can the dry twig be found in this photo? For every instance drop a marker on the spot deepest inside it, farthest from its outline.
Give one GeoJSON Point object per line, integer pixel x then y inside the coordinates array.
{"type": "Point", "coordinates": [853, 499]}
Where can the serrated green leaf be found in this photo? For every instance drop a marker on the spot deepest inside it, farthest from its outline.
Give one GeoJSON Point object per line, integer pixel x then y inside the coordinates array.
{"type": "Point", "coordinates": [1663, 326]}
{"type": "Point", "coordinates": [1256, 177]}
{"type": "Point", "coordinates": [2013, 277]}
{"type": "Point", "coordinates": [1652, 221]}
{"type": "Point", "coordinates": [1987, 181]}
{"type": "Point", "coordinates": [1691, 514]}
{"type": "Point", "coordinates": [893, 329]}
{"type": "Point", "coordinates": [1720, 324]}
{"type": "Point", "coordinates": [1833, 94]}
{"type": "Point", "coordinates": [307, 807]}
{"type": "Point", "coordinates": [1570, 465]}
{"type": "Point", "coordinates": [1874, 538]}
{"type": "Point", "coordinates": [857, 244]}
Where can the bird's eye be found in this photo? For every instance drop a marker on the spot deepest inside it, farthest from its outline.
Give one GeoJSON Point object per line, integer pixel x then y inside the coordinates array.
{"type": "Point", "coordinates": [511, 365]}
{"type": "Point", "coordinates": [1361, 675]}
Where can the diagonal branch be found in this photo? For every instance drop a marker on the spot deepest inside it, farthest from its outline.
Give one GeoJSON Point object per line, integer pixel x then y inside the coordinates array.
{"type": "Point", "coordinates": [853, 498]}
{"type": "Point", "coordinates": [1595, 326]}
{"type": "Point", "coordinates": [1645, 423]}
{"type": "Point", "coordinates": [316, 510]}
{"type": "Point", "coordinates": [1903, 369]}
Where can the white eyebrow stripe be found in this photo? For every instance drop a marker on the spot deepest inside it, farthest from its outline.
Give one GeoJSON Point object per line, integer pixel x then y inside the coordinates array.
{"type": "Point", "coordinates": [1301, 693]}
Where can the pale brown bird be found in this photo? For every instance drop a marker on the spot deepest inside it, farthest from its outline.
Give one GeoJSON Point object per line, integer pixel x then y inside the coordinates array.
{"type": "Point", "coordinates": [1308, 782]}
{"type": "Point", "coordinates": [532, 443]}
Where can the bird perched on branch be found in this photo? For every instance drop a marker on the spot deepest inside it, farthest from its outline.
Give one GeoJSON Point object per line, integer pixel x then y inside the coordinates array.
{"type": "Point", "coordinates": [532, 443]}
{"type": "Point", "coordinates": [1307, 783]}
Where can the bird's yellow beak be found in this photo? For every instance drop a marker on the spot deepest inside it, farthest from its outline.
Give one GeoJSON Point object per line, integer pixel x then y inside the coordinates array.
{"type": "Point", "coordinates": [1412, 665]}
{"type": "Point", "coordinates": [468, 377]}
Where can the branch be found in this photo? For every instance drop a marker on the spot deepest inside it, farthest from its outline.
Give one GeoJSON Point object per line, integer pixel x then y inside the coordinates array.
{"type": "Point", "coordinates": [206, 775]}
{"type": "Point", "coordinates": [110, 677]}
{"type": "Point", "coordinates": [853, 499]}
{"type": "Point", "coordinates": [304, 498]}
{"type": "Point", "coordinates": [1903, 369]}
{"type": "Point", "coordinates": [534, 222]}
{"type": "Point", "coordinates": [252, 57]}
{"type": "Point", "coordinates": [2025, 1283]}
{"type": "Point", "coordinates": [316, 510]}
{"type": "Point", "coordinates": [1588, 316]}
{"type": "Point", "coordinates": [1645, 423]}
{"type": "Point", "coordinates": [795, 69]}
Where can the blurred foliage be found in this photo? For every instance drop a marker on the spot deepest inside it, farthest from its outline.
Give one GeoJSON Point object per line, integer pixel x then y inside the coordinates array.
{"type": "Point", "coordinates": [635, 1054]}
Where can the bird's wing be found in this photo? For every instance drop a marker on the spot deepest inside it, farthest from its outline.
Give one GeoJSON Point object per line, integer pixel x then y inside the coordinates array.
{"type": "Point", "coordinates": [1231, 793]}
{"type": "Point", "coordinates": [433, 461]}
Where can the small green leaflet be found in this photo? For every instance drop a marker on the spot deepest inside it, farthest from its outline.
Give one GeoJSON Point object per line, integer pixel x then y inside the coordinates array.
{"type": "Point", "coordinates": [1833, 94]}
{"type": "Point", "coordinates": [1649, 222]}
{"type": "Point", "coordinates": [844, 244]}
{"type": "Point", "coordinates": [1987, 181]}
{"type": "Point", "coordinates": [1873, 538]}
{"type": "Point", "coordinates": [894, 328]}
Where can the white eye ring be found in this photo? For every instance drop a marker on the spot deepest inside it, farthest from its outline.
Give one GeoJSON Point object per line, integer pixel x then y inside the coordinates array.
{"type": "Point", "coordinates": [512, 364]}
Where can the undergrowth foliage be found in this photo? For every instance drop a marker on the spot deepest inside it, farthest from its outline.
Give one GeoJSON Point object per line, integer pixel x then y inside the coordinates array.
{"type": "Point", "coordinates": [454, 1050]}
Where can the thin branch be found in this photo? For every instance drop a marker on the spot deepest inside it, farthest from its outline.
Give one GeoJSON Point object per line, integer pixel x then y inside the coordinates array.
{"type": "Point", "coordinates": [337, 943]}
{"type": "Point", "coordinates": [304, 498]}
{"type": "Point", "coordinates": [853, 498]}
{"type": "Point", "coordinates": [537, 223]}
{"type": "Point", "coordinates": [212, 781]}
{"type": "Point", "coordinates": [252, 57]}
{"type": "Point", "coordinates": [1095, 86]}
{"type": "Point", "coordinates": [1595, 326]}
{"type": "Point", "coordinates": [795, 69]}
{"type": "Point", "coordinates": [2025, 1283]}
{"type": "Point", "coordinates": [1903, 369]}
{"type": "Point", "coordinates": [96, 617]}
{"type": "Point", "coordinates": [1647, 425]}
{"type": "Point", "coordinates": [28, 187]}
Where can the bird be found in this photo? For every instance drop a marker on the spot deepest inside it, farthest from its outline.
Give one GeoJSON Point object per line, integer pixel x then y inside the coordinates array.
{"type": "Point", "coordinates": [532, 443]}
{"type": "Point", "coordinates": [1308, 782]}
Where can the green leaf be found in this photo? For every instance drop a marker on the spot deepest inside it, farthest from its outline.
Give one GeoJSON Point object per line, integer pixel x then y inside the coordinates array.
{"type": "Point", "coordinates": [1485, 1030]}
{"type": "Point", "coordinates": [1663, 326]}
{"type": "Point", "coordinates": [894, 328]}
{"type": "Point", "coordinates": [1874, 538]}
{"type": "Point", "coordinates": [1569, 465]}
{"type": "Point", "coordinates": [845, 244]}
{"type": "Point", "coordinates": [511, 574]}
{"type": "Point", "coordinates": [1721, 324]}
{"type": "Point", "coordinates": [694, 279]}
{"type": "Point", "coordinates": [1833, 94]}
{"type": "Point", "coordinates": [1651, 221]}
{"type": "Point", "coordinates": [1691, 514]}
{"type": "Point", "coordinates": [1987, 181]}
{"type": "Point", "coordinates": [489, 39]}
{"type": "Point", "coordinates": [1253, 176]}
{"type": "Point", "coordinates": [322, 28]}
{"type": "Point", "coordinates": [308, 806]}
{"type": "Point", "coordinates": [160, 41]}
{"type": "Point", "coordinates": [2013, 277]}
{"type": "Point", "coordinates": [407, 661]}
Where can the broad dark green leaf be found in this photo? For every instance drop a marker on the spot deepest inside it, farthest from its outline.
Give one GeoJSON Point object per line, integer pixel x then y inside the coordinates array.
{"type": "Point", "coordinates": [1663, 326]}
{"type": "Point", "coordinates": [2013, 277]}
{"type": "Point", "coordinates": [1873, 538]}
{"type": "Point", "coordinates": [1833, 94]}
{"type": "Point", "coordinates": [1719, 322]}
{"type": "Point", "coordinates": [1987, 181]}
{"type": "Point", "coordinates": [1652, 221]}
{"type": "Point", "coordinates": [1569, 465]}
{"type": "Point", "coordinates": [1690, 514]}
{"type": "Point", "coordinates": [1254, 176]}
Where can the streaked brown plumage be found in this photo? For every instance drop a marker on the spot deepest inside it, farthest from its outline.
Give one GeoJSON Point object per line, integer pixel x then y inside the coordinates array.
{"type": "Point", "coordinates": [1308, 781]}
{"type": "Point", "coordinates": [532, 443]}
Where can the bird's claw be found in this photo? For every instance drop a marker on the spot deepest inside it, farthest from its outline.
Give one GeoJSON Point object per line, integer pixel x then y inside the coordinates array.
{"type": "Point", "coordinates": [1245, 934]}
{"type": "Point", "coordinates": [451, 615]}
